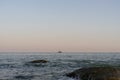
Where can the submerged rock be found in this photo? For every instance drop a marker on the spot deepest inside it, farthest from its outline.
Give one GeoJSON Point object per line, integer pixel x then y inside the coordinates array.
{"type": "Point", "coordinates": [96, 73]}
{"type": "Point", "coordinates": [24, 77]}
{"type": "Point", "coordinates": [38, 61]}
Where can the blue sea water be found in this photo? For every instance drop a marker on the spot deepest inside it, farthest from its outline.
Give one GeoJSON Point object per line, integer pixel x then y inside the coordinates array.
{"type": "Point", "coordinates": [13, 64]}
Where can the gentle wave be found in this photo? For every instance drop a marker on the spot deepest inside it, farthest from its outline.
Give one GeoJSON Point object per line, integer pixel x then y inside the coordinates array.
{"type": "Point", "coordinates": [14, 67]}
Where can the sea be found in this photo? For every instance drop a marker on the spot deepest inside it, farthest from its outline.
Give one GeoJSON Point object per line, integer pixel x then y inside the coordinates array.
{"type": "Point", "coordinates": [13, 65]}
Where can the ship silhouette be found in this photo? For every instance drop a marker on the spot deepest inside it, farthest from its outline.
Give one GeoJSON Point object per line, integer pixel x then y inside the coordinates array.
{"type": "Point", "coordinates": [59, 51]}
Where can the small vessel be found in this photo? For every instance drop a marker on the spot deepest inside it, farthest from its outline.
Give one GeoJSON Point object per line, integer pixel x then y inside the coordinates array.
{"type": "Point", "coordinates": [59, 51]}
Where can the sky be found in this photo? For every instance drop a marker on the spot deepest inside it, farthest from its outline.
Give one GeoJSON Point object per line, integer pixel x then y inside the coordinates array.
{"type": "Point", "coordinates": [67, 25]}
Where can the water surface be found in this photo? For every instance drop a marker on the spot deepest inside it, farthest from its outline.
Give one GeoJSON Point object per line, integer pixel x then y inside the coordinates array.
{"type": "Point", "coordinates": [13, 65]}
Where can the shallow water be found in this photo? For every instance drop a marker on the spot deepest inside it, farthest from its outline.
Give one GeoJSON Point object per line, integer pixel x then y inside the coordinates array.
{"type": "Point", "coordinates": [13, 65]}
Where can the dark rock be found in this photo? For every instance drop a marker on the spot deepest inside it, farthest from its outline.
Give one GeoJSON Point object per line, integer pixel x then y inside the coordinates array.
{"type": "Point", "coordinates": [96, 73]}
{"type": "Point", "coordinates": [38, 61]}
{"type": "Point", "coordinates": [24, 77]}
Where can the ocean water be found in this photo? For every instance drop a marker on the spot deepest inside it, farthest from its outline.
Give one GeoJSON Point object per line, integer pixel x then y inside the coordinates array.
{"type": "Point", "coordinates": [13, 65]}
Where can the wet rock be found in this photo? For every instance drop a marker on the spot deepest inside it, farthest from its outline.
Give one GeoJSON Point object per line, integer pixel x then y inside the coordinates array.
{"type": "Point", "coordinates": [38, 61]}
{"type": "Point", "coordinates": [96, 73]}
{"type": "Point", "coordinates": [24, 77]}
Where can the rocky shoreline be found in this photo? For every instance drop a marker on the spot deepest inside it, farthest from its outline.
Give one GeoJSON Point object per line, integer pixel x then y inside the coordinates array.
{"type": "Point", "coordinates": [96, 73]}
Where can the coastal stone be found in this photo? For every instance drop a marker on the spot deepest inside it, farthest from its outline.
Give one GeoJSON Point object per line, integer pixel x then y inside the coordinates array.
{"type": "Point", "coordinates": [96, 73]}
{"type": "Point", "coordinates": [38, 61]}
{"type": "Point", "coordinates": [24, 77]}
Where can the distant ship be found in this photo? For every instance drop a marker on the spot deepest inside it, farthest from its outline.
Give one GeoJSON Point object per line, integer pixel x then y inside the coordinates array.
{"type": "Point", "coordinates": [59, 51]}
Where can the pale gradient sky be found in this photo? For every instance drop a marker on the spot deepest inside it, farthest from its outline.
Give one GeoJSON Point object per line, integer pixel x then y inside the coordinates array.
{"type": "Point", "coordinates": [67, 25]}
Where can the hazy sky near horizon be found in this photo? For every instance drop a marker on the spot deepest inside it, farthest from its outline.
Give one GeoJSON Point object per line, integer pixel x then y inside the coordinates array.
{"type": "Point", "coordinates": [67, 25]}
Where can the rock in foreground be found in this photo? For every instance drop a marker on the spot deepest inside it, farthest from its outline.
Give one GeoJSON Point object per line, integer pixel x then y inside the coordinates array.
{"type": "Point", "coordinates": [96, 73]}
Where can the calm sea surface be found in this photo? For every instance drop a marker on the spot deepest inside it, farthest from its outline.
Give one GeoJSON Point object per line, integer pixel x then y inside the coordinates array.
{"type": "Point", "coordinates": [13, 65]}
